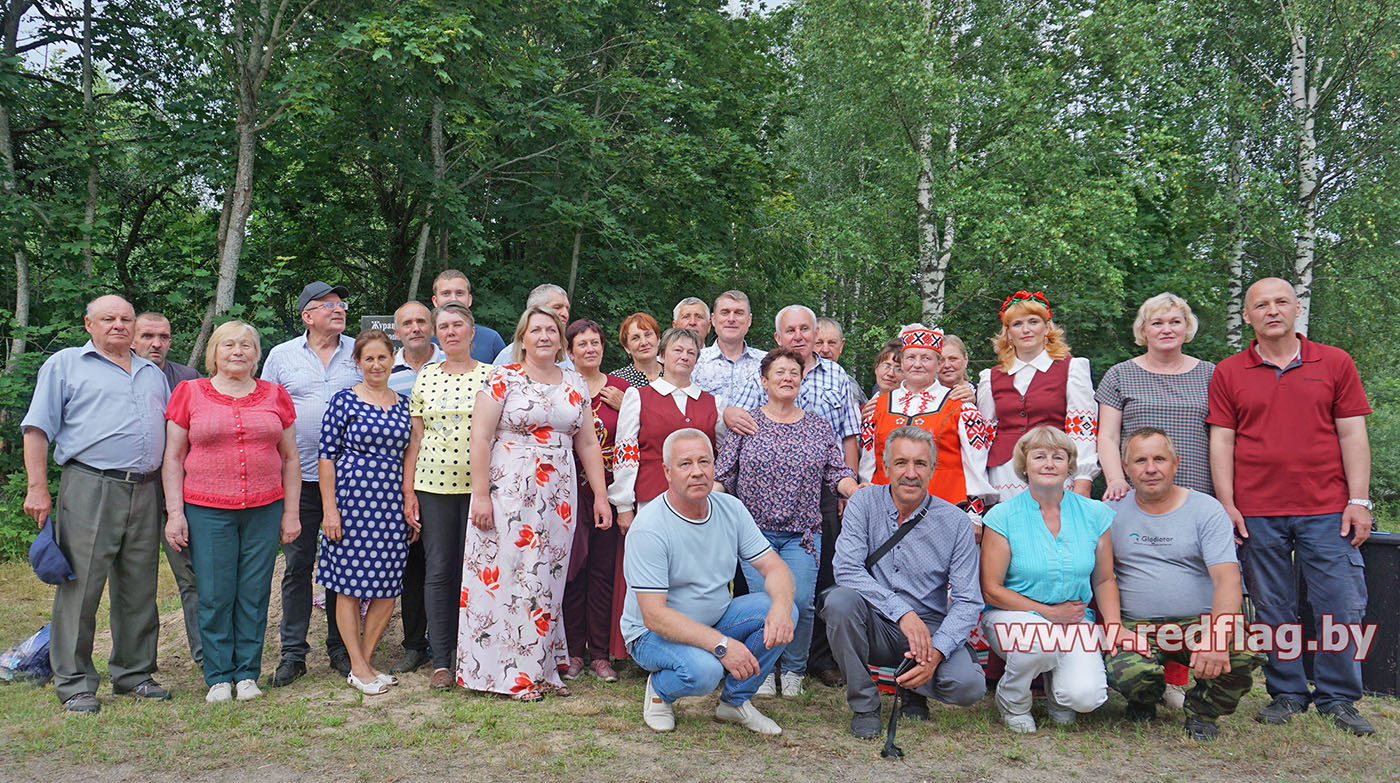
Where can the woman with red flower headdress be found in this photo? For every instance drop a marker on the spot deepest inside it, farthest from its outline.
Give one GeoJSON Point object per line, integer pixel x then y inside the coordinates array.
{"type": "Point", "coordinates": [950, 414]}
{"type": "Point", "coordinates": [1035, 382]}
{"type": "Point", "coordinates": [530, 420]}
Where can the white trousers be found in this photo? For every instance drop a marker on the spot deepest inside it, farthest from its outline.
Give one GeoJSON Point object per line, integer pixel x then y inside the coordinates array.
{"type": "Point", "coordinates": [1078, 680]}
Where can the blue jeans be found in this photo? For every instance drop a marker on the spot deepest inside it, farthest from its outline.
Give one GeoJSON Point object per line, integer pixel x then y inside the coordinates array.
{"type": "Point", "coordinates": [680, 670]}
{"type": "Point", "coordinates": [1276, 549]}
{"type": "Point", "coordinates": [804, 574]}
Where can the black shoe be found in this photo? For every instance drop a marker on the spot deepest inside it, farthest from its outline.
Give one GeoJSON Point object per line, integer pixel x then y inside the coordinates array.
{"type": "Point", "coordinates": [1140, 713]}
{"type": "Point", "coordinates": [1280, 711]}
{"type": "Point", "coordinates": [1346, 716]}
{"type": "Point", "coordinates": [913, 706]}
{"type": "Point", "coordinates": [340, 661]}
{"type": "Point", "coordinates": [831, 678]}
{"type": "Point", "coordinates": [83, 702]}
{"type": "Point", "coordinates": [1200, 730]}
{"type": "Point", "coordinates": [865, 725]}
{"type": "Point", "coordinates": [146, 689]}
{"type": "Point", "coordinates": [411, 661]}
{"type": "Point", "coordinates": [288, 672]}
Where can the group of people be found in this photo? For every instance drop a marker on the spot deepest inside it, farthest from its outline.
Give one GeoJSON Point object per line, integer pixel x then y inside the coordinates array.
{"type": "Point", "coordinates": [712, 511]}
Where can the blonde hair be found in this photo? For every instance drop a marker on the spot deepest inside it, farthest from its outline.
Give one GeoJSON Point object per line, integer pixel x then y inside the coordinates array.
{"type": "Point", "coordinates": [1043, 437]}
{"type": "Point", "coordinates": [1055, 343]}
{"type": "Point", "coordinates": [223, 332]}
{"type": "Point", "coordinates": [1159, 304]}
{"type": "Point", "coordinates": [517, 348]}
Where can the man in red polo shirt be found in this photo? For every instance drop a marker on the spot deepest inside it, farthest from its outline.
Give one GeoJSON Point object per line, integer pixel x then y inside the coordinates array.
{"type": "Point", "coordinates": [1292, 466]}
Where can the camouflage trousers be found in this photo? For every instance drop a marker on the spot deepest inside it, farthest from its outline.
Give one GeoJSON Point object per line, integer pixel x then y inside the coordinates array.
{"type": "Point", "coordinates": [1141, 681]}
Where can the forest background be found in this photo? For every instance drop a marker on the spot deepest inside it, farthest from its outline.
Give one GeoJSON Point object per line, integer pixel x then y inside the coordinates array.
{"type": "Point", "coordinates": [883, 162]}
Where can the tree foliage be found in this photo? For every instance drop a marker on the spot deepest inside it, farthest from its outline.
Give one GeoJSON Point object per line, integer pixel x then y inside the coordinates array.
{"type": "Point", "coordinates": [884, 162]}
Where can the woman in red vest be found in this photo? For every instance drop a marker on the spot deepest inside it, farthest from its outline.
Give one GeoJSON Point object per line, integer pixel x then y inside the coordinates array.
{"type": "Point", "coordinates": [672, 402]}
{"type": "Point", "coordinates": [959, 432]}
{"type": "Point", "coordinates": [1036, 382]}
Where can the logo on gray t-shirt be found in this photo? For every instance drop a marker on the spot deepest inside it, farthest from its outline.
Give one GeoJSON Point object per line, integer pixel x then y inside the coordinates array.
{"type": "Point", "coordinates": [1162, 560]}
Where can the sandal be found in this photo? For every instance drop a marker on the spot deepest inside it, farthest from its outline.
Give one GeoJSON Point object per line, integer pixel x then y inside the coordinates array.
{"type": "Point", "coordinates": [528, 695]}
{"type": "Point", "coordinates": [387, 679]}
{"type": "Point", "coordinates": [372, 688]}
{"type": "Point", "coordinates": [563, 692]}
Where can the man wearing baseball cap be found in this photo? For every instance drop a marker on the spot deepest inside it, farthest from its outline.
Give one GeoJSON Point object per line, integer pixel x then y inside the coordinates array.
{"type": "Point", "coordinates": [312, 368]}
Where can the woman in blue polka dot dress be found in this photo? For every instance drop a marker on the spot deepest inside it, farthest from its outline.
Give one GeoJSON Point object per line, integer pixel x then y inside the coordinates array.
{"type": "Point", "coordinates": [364, 538]}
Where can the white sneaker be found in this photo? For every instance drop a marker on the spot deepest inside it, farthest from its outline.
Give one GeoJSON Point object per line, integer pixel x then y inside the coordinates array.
{"type": "Point", "coordinates": [791, 684]}
{"type": "Point", "coordinates": [748, 716]}
{"type": "Point", "coordinates": [1019, 724]}
{"type": "Point", "coordinates": [247, 689]}
{"type": "Point", "coordinates": [659, 715]}
{"type": "Point", "coordinates": [1058, 713]}
{"type": "Point", "coordinates": [219, 691]}
{"type": "Point", "coordinates": [1175, 697]}
{"type": "Point", "coordinates": [769, 686]}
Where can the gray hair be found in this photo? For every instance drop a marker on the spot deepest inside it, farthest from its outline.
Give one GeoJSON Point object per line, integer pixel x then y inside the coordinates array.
{"type": "Point", "coordinates": [541, 294]}
{"type": "Point", "coordinates": [687, 302]}
{"type": "Point", "coordinates": [736, 295]}
{"type": "Point", "coordinates": [677, 333]}
{"type": "Point", "coordinates": [92, 304]}
{"type": "Point", "coordinates": [688, 433]}
{"type": "Point", "coordinates": [453, 307]}
{"type": "Point", "coordinates": [778, 319]}
{"type": "Point", "coordinates": [831, 323]}
{"type": "Point", "coordinates": [910, 432]}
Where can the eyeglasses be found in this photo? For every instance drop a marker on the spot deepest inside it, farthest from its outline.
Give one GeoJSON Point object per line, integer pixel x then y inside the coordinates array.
{"type": "Point", "coordinates": [328, 306]}
{"type": "Point", "coordinates": [887, 367]}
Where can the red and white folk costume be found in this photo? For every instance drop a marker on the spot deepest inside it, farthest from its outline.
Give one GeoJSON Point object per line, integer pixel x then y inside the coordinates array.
{"type": "Point", "coordinates": [959, 431]}
{"type": "Point", "coordinates": [1056, 392]}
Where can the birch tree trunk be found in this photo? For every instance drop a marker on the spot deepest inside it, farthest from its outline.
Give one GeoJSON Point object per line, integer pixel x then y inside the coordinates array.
{"type": "Point", "coordinates": [935, 248]}
{"type": "Point", "coordinates": [1234, 315]}
{"type": "Point", "coordinates": [1302, 92]}
{"type": "Point", "coordinates": [90, 208]}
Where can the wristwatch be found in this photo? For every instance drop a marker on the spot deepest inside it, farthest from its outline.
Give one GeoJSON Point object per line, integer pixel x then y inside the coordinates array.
{"type": "Point", "coordinates": [1362, 502]}
{"type": "Point", "coordinates": [722, 649]}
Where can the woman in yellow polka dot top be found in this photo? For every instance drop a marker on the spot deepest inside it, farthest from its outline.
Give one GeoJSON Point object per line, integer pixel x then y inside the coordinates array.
{"type": "Point", "coordinates": [438, 477]}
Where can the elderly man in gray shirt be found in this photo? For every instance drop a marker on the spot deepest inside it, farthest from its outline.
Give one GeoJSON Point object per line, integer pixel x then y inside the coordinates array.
{"type": "Point", "coordinates": [103, 408]}
{"type": "Point", "coordinates": [312, 368]}
{"type": "Point", "coordinates": [918, 599]}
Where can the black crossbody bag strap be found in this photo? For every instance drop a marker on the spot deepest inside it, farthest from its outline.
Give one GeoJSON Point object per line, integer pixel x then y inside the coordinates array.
{"type": "Point", "coordinates": [898, 536]}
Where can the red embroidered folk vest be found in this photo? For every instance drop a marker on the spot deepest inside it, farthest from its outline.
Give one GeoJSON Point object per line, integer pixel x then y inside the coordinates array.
{"type": "Point", "coordinates": [1043, 403]}
{"type": "Point", "coordinates": [660, 418]}
{"type": "Point", "coordinates": [948, 482]}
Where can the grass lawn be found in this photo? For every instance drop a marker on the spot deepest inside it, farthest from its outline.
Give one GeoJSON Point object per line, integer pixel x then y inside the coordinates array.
{"type": "Point", "coordinates": [321, 729]}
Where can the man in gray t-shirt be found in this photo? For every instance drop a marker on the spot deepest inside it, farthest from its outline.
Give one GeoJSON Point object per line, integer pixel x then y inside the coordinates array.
{"type": "Point", "coordinates": [1174, 559]}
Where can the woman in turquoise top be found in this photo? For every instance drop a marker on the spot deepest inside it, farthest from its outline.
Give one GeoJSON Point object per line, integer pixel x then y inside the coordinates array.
{"type": "Point", "coordinates": [1045, 554]}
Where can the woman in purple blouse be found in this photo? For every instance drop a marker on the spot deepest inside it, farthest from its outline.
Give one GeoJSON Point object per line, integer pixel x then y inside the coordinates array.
{"type": "Point", "coordinates": [778, 473]}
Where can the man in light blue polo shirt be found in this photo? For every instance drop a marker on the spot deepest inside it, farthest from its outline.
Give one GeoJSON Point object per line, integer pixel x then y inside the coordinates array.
{"type": "Point", "coordinates": [679, 621]}
{"type": "Point", "coordinates": [103, 408]}
{"type": "Point", "coordinates": [312, 368]}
